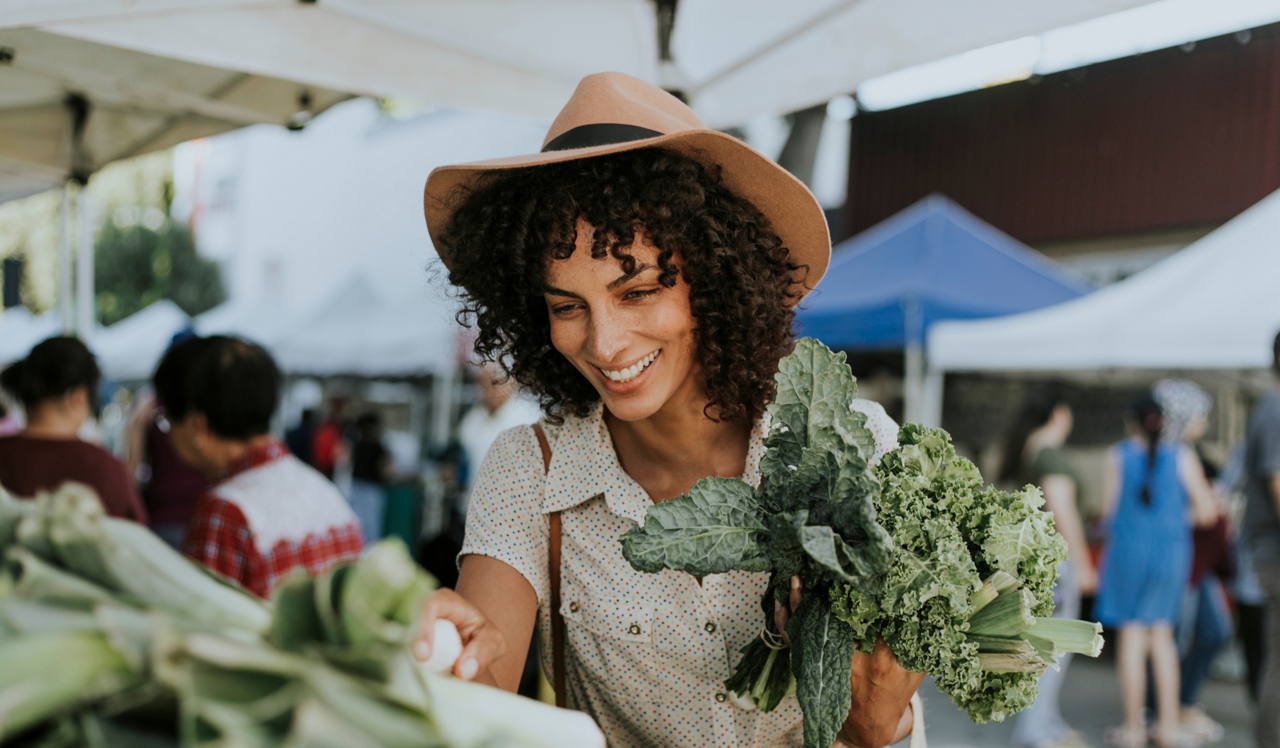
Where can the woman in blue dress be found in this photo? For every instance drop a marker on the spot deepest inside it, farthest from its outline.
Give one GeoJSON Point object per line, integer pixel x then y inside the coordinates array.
{"type": "Point", "coordinates": [1153, 490]}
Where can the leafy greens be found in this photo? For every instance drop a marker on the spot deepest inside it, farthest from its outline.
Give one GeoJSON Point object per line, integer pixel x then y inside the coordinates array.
{"type": "Point", "coordinates": [813, 517]}
{"type": "Point", "coordinates": [982, 642]}
{"type": "Point", "coordinates": [955, 576]}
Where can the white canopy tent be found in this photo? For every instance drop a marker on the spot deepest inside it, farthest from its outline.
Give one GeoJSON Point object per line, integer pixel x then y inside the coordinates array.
{"type": "Point", "coordinates": [360, 332]}
{"type": "Point", "coordinates": [1214, 305]}
{"type": "Point", "coordinates": [733, 59]}
{"type": "Point", "coordinates": [129, 350]}
{"type": "Point", "coordinates": [20, 330]}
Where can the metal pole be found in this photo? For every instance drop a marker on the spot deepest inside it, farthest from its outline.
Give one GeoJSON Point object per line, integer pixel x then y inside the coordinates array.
{"type": "Point", "coordinates": [913, 387]}
{"type": "Point", "coordinates": [65, 277]}
{"type": "Point", "coordinates": [84, 269]}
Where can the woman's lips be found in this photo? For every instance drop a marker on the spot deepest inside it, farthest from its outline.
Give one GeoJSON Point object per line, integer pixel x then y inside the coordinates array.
{"type": "Point", "coordinates": [632, 384]}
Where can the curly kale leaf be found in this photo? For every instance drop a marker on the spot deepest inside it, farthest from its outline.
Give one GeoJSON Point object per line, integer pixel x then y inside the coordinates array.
{"type": "Point", "coordinates": [716, 528]}
{"type": "Point", "coordinates": [949, 532]}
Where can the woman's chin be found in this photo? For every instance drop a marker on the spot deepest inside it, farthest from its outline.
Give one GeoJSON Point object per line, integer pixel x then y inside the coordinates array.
{"type": "Point", "coordinates": [630, 408]}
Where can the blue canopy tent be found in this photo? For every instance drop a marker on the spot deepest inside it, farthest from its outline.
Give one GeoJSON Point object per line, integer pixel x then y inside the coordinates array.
{"type": "Point", "coordinates": [932, 261]}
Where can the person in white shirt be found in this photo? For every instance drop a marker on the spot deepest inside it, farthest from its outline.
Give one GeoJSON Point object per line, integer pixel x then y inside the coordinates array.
{"type": "Point", "coordinates": [501, 407]}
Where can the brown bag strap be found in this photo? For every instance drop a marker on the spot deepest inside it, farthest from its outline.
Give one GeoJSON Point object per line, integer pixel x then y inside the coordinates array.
{"type": "Point", "coordinates": [553, 557]}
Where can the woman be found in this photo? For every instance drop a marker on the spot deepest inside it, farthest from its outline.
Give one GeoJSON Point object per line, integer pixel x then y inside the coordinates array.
{"type": "Point", "coordinates": [1033, 454]}
{"type": "Point", "coordinates": [1154, 488]}
{"type": "Point", "coordinates": [638, 276]}
{"type": "Point", "coordinates": [1204, 625]}
{"type": "Point", "coordinates": [57, 384]}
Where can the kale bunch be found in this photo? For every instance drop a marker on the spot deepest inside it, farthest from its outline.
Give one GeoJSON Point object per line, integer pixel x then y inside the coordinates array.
{"type": "Point", "coordinates": [984, 643]}
{"type": "Point", "coordinates": [812, 517]}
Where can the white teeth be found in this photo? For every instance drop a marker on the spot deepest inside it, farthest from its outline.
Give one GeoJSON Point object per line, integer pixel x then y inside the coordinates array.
{"type": "Point", "coordinates": [631, 372]}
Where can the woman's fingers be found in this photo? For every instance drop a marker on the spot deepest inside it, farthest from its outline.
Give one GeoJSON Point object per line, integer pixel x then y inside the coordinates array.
{"type": "Point", "coordinates": [482, 643]}
{"type": "Point", "coordinates": [780, 618]}
{"type": "Point", "coordinates": [783, 614]}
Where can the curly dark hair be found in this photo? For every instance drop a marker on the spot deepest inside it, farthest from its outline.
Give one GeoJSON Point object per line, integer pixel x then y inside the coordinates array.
{"type": "Point", "coordinates": [742, 281]}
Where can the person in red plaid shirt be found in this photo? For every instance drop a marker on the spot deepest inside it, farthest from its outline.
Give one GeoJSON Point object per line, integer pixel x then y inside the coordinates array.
{"type": "Point", "coordinates": [266, 514]}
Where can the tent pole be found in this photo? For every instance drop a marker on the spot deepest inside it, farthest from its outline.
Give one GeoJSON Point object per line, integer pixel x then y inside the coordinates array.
{"type": "Point", "coordinates": [914, 385]}
{"type": "Point", "coordinates": [931, 410]}
{"type": "Point", "coordinates": [66, 303]}
{"type": "Point", "coordinates": [84, 268]}
{"type": "Point", "coordinates": [444, 389]}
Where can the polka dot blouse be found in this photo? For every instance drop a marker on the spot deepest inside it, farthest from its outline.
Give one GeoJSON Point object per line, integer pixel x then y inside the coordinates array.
{"type": "Point", "coordinates": [646, 654]}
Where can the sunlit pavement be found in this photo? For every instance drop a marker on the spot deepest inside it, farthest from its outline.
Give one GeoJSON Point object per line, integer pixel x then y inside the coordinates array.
{"type": "Point", "coordinates": [1090, 703]}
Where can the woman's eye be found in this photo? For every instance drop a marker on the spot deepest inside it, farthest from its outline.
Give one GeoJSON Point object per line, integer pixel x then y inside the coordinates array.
{"type": "Point", "coordinates": [564, 309]}
{"type": "Point", "coordinates": [639, 293]}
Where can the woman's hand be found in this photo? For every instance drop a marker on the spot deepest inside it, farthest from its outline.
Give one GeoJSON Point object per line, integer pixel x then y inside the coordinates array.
{"type": "Point", "coordinates": [482, 642]}
{"type": "Point", "coordinates": [880, 711]}
{"type": "Point", "coordinates": [881, 689]}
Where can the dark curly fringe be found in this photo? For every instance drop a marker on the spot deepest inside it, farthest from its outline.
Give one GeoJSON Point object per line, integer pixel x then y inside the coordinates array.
{"type": "Point", "coordinates": [512, 224]}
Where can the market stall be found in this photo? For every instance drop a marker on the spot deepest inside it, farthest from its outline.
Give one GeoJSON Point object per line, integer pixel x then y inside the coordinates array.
{"type": "Point", "coordinates": [1212, 306]}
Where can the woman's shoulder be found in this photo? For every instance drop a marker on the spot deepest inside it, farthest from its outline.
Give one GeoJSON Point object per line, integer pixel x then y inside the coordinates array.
{"type": "Point", "coordinates": [883, 428]}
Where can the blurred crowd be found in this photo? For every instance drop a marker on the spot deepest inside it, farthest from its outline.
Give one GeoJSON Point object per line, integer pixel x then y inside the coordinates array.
{"type": "Point", "coordinates": [1188, 559]}
{"type": "Point", "coordinates": [198, 463]}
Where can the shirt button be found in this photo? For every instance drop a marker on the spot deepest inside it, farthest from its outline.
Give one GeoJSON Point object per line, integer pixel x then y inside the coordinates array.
{"type": "Point", "coordinates": [635, 629]}
{"type": "Point", "coordinates": [711, 627]}
{"type": "Point", "coordinates": [573, 607]}
{"type": "Point", "coordinates": [721, 697]}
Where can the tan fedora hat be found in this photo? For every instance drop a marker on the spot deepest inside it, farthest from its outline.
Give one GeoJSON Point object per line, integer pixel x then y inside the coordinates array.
{"type": "Point", "coordinates": [615, 112]}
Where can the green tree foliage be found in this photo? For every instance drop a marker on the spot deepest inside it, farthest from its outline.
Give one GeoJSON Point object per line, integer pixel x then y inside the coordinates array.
{"type": "Point", "coordinates": [136, 265]}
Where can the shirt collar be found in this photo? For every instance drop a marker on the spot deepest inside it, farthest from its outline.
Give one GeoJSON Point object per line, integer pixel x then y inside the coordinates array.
{"type": "Point", "coordinates": [585, 466]}
{"type": "Point", "coordinates": [256, 457]}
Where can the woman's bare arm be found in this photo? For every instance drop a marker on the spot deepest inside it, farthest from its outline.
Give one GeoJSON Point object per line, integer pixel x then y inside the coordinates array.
{"type": "Point", "coordinates": [1060, 497]}
{"type": "Point", "coordinates": [1205, 507]}
{"type": "Point", "coordinates": [494, 609]}
{"type": "Point", "coordinates": [1111, 484]}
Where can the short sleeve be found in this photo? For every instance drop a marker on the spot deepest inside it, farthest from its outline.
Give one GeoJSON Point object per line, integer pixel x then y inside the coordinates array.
{"type": "Point", "coordinates": [117, 492]}
{"type": "Point", "coordinates": [504, 514]}
{"type": "Point", "coordinates": [219, 539]}
{"type": "Point", "coordinates": [882, 427]}
{"type": "Point", "coordinates": [1050, 461]}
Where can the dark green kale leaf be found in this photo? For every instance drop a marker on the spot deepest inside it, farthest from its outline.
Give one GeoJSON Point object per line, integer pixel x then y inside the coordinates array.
{"type": "Point", "coordinates": [716, 528]}
{"type": "Point", "coordinates": [822, 659]}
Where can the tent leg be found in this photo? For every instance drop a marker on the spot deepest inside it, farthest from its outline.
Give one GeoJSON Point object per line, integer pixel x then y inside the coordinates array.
{"type": "Point", "coordinates": [66, 280]}
{"type": "Point", "coordinates": [913, 387]}
{"type": "Point", "coordinates": [931, 410]}
{"type": "Point", "coordinates": [443, 392]}
{"type": "Point", "coordinates": [84, 268]}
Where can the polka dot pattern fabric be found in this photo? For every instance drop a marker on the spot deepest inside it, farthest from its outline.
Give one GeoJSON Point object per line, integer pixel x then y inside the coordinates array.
{"type": "Point", "coordinates": [646, 655]}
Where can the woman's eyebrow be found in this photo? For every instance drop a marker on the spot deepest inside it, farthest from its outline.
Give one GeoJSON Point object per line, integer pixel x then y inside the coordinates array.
{"type": "Point", "coordinates": [553, 291]}
{"type": "Point", "coordinates": [628, 276]}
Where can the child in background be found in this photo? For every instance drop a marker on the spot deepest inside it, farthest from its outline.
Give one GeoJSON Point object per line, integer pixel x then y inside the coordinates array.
{"type": "Point", "coordinates": [1151, 483]}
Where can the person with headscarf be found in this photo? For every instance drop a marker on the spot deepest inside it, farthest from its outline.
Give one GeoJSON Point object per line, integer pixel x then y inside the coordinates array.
{"type": "Point", "coordinates": [1154, 488]}
{"type": "Point", "coordinates": [1205, 622]}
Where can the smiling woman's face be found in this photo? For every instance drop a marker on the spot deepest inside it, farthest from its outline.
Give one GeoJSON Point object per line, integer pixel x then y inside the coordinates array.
{"type": "Point", "coordinates": [628, 334]}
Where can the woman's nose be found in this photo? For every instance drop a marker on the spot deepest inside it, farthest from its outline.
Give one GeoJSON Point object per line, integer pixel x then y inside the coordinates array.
{"type": "Point", "coordinates": [607, 337]}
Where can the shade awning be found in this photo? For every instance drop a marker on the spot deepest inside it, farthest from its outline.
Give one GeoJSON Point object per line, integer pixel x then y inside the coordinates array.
{"type": "Point", "coordinates": [932, 261]}
{"type": "Point", "coordinates": [733, 59]}
{"type": "Point", "coordinates": [69, 106]}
